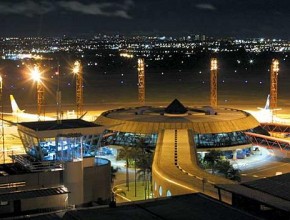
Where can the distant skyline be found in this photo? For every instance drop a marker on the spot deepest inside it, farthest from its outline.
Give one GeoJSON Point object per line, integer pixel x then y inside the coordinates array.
{"type": "Point", "coordinates": [234, 18]}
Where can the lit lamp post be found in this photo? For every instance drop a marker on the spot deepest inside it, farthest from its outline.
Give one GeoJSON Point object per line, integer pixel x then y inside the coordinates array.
{"type": "Point", "coordinates": [77, 70]}
{"type": "Point", "coordinates": [36, 76]}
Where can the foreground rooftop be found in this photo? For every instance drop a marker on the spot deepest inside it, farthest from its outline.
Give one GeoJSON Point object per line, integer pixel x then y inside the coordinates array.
{"type": "Point", "coordinates": [192, 206]}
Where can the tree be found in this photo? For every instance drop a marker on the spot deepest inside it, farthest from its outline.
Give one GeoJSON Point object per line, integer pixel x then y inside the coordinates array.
{"type": "Point", "coordinates": [234, 174]}
{"type": "Point", "coordinates": [223, 166]}
{"type": "Point", "coordinates": [211, 158]}
{"type": "Point", "coordinates": [136, 152]}
{"type": "Point", "coordinates": [126, 154]}
{"type": "Point", "coordinates": [113, 173]}
{"type": "Point", "coordinates": [144, 163]}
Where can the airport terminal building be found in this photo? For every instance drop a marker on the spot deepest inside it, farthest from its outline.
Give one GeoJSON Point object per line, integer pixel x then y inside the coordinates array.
{"type": "Point", "coordinates": [220, 129]}
{"type": "Point", "coordinates": [177, 134]}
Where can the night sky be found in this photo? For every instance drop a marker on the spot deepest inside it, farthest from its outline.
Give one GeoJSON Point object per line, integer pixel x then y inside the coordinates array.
{"type": "Point", "coordinates": [218, 18]}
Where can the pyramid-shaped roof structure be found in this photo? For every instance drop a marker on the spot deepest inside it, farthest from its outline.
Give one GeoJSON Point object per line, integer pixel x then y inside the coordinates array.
{"type": "Point", "coordinates": [175, 107]}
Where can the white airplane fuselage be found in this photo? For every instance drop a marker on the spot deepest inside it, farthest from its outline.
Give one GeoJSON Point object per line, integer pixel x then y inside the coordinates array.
{"type": "Point", "coordinates": [22, 116]}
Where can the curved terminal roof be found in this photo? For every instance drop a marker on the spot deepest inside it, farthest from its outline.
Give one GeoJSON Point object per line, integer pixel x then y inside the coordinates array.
{"type": "Point", "coordinates": [148, 119]}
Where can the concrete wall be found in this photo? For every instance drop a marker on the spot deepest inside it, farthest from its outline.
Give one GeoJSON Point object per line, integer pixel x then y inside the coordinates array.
{"type": "Point", "coordinates": [97, 182]}
{"type": "Point", "coordinates": [73, 180]}
{"type": "Point", "coordinates": [88, 161]}
{"type": "Point", "coordinates": [33, 180]}
{"type": "Point", "coordinates": [9, 208]}
{"type": "Point", "coordinates": [55, 201]}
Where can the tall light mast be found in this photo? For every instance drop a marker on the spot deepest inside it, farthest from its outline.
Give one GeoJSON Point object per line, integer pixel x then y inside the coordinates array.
{"type": "Point", "coordinates": [2, 123]}
{"type": "Point", "coordinates": [77, 70]}
{"type": "Point", "coordinates": [141, 81]}
{"type": "Point", "coordinates": [36, 75]}
{"type": "Point", "coordinates": [274, 83]}
{"type": "Point", "coordinates": [213, 82]}
{"type": "Point", "coordinates": [58, 97]}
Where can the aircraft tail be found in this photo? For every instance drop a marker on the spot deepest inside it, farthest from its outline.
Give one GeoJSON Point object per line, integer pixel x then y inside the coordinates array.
{"type": "Point", "coordinates": [267, 105]}
{"type": "Point", "coordinates": [15, 108]}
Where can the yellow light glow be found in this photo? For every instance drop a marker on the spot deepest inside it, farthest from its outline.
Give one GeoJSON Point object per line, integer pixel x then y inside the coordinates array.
{"type": "Point", "coordinates": [275, 65]}
{"type": "Point", "coordinates": [35, 74]}
{"type": "Point", "coordinates": [76, 68]}
{"type": "Point", "coordinates": [126, 55]}
{"type": "Point", "coordinates": [213, 64]}
{"type": "Point", "coordinates": [140, 64]}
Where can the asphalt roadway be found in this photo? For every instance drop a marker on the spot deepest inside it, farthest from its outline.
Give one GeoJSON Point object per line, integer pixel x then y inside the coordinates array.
{"type": "Point", "coordinates": [271, 166]}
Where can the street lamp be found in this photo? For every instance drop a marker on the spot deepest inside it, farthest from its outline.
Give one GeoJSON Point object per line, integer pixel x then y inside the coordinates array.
{"type": "Point", "coordinates": [36, 76]}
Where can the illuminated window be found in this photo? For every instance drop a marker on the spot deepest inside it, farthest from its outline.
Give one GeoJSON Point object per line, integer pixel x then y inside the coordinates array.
{"type": "Point", "coordinates": [160, 190]}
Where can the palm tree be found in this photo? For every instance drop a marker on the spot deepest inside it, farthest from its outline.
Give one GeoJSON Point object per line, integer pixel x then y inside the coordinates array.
{"type": "Point", "coordinates": [136, 152]}
{"type": "Point", "coordinates": [113, 173]}
{"type": "Point", "coordinates": [144, 163]}
{"type": "Point", "coordinates": [126, 154]}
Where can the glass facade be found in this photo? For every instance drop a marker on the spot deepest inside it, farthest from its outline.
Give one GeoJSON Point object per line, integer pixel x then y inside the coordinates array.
{"type": "Point", "coordinates": [128, 139]}
{"type": "Point", "coordinates": [221, 139]}
{"type": "Point", "coordinates": [68, 147]}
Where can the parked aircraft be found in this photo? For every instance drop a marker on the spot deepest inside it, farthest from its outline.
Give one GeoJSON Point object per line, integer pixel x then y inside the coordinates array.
{"type": "Point", "coordinates": [22, 116]}
{"type": "Point", "coordinates": [265, 114]}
